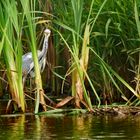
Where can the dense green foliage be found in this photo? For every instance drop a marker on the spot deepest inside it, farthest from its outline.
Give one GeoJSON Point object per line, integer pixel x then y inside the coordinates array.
{"type": "Point", "coordinates": [114, 43]}
{"type": "Point", "coordinates": [94, 52]}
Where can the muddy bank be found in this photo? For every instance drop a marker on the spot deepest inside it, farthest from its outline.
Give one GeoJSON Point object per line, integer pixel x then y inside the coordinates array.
{"type": "Point", "coordinates": [121, 111]}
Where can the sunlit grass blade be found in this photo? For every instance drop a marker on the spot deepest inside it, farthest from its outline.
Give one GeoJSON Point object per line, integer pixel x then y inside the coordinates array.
{"type": "Point", "coordinates": [32, 38]}
{"type": "Point", "coordinates": [109, 70]}
{"type": "Point", "coordinates": [11, 42]}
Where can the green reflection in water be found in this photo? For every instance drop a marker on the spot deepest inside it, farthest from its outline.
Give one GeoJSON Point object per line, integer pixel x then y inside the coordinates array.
{"type": "Point", "coordinates": [69, 127]}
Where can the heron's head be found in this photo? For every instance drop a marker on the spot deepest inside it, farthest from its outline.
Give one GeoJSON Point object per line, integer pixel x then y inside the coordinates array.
{"type": "Point", "coordinates": [47, 32]}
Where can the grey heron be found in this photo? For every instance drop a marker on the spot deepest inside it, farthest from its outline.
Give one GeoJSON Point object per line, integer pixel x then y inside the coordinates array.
{"type": "Point", "coordinates": [27, 60]}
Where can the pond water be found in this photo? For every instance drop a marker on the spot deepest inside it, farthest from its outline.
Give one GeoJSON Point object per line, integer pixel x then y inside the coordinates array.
{"type": "Point", "coordinates": [83, 127]}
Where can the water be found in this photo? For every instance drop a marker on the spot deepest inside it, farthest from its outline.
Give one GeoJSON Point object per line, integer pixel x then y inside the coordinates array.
{"type": "Point", "coordinates": [84, 127]}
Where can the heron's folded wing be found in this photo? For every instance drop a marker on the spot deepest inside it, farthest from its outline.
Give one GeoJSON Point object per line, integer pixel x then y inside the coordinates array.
{"type": "Point", "coordinates": [28, 63]}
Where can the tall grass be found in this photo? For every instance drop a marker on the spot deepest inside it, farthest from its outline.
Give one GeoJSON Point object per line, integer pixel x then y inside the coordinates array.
{"type": "Point", "coordinates": [29, 13]}
{"type": "Point", "coordinates": [100, 39]}
{"type": "Point", "coordinates": [112, 46]}
{"type": "Point", "coordinates": [137, 71]}
{"type": "Point", "coordinates": [79, 50]}
{"type": "Point", "coordinates": [18, 18]}
{"type": "Point", "coordinates": [12, 50]}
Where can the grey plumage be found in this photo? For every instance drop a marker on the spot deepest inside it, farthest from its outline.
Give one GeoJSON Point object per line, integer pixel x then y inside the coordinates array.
{"type": "Point", "coordinates": [27, 60]}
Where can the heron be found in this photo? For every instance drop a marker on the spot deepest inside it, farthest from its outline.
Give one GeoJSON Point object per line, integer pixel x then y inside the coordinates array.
{"type": "Point", "coordinates": [27, 60]}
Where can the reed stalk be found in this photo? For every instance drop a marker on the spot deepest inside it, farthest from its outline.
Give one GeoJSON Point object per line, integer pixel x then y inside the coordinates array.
{"type": "Point", "coordinates": [12, 51]}
{"type": "Point", "coordinates": [30, 16]}
{"type": "Point", "coordinates": [137, 77]}
{"type": "Point", "coordinates": [103, 50]}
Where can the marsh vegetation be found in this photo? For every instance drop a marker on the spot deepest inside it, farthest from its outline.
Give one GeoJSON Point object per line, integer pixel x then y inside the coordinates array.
{"type": "Point", "coordinates": [93, 56]}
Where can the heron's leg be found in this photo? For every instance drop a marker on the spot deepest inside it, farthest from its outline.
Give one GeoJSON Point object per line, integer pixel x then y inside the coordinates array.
{"type": "Point", "coordinates": [31, 87]}
{"type": "Point", "coordinates": [23, 80]}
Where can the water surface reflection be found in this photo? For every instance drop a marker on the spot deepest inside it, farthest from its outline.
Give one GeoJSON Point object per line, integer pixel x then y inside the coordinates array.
{"type": "Point", "coordinates": [69, 127]}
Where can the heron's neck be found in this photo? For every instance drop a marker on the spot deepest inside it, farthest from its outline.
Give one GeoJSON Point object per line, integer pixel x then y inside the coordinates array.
{"type": "Point", "coordinates": [45, 45]}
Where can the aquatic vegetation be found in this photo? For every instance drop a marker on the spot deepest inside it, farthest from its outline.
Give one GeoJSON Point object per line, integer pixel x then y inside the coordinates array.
{"type": "Point", "coordinates": [11, 49]}
{"type": "Point", "coordinates": [94, 54]}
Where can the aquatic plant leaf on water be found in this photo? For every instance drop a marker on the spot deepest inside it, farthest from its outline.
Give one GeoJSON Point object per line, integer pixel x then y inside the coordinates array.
{"type": "Point", "coordinates": [63, 112]}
